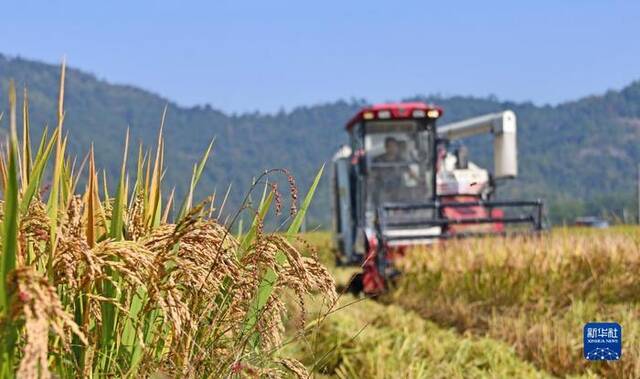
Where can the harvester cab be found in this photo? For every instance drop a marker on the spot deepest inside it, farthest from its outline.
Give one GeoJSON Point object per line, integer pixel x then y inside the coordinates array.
{"type": "Point", "coordinates": [397, 184]}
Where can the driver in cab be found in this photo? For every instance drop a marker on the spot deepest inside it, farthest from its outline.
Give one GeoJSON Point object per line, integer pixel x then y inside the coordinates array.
{"type": "Point", "coordinates": [390, 169]}
{"type": "Point", "coordinates": [391, 152]}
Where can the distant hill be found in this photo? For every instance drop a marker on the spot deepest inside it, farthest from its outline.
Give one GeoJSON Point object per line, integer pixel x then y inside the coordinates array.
{"type": "Point", "coordinates": [579, 156]}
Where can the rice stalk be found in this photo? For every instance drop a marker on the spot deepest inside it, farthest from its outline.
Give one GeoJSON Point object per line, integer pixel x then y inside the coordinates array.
{"type": "Point", "coordinates": [97, 286]}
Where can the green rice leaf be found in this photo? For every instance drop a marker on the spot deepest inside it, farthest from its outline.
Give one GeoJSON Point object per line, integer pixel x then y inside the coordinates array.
{"type": "Point", "coordinates": [197, 173]}
{"type": "Point", "coordinates": [35, 178]}
{"type": "Point", "coordinates": [117, 218]}
{"type": "Point", "coordinates": [9, 236]}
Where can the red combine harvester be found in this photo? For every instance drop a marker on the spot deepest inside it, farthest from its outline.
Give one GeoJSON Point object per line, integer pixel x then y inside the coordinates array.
{"type": "Point", "coordinates": [397, 185]}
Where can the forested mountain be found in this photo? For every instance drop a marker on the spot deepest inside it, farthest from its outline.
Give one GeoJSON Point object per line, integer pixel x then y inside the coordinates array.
{"type": "Point", "coordinates": [579, 156]}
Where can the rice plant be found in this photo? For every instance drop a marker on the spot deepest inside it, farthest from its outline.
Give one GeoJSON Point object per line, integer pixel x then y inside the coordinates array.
{"type": "Point", "coordinates": [535, 294]}
{"type": "Point", "coordinates": [95, 286]}
{"type": "Point", "coordinates": [487, 308]}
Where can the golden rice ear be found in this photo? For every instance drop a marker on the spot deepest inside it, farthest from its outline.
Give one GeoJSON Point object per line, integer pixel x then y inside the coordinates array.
{"type": "Point", "coordinates": [37, 302]}
{"type": "Point", "coordinates": [136, 293]}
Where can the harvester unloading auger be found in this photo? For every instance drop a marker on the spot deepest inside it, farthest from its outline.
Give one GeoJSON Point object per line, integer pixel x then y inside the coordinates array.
{"type": "Point", "coordinates": [396, 185]}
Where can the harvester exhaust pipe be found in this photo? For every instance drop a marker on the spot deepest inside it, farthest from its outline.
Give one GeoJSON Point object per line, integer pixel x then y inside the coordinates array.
{"type": "Point", "coordinates": [503, 127]}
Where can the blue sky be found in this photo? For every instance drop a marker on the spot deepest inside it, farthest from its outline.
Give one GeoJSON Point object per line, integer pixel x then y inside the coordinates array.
{"type": "Point", "coordinates": [264, 55]}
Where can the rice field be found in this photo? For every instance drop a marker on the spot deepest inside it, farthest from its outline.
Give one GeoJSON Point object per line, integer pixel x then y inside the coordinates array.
{"type": "Point", "coordinates": [491, 307]}
{"type": "Point", "coordinates": [130, 281]}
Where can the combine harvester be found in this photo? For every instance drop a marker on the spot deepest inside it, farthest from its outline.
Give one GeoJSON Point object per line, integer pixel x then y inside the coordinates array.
{"type": "Point", "coordinates": [397, 185]}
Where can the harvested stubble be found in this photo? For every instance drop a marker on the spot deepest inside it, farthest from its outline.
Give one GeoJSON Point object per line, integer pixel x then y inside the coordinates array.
{"type": "Point", "coordinates": [370, 340]}
{"type": "Point", "coordinates": [92, 286]}
{"type": "Point", "coordinates": [533, 293]}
